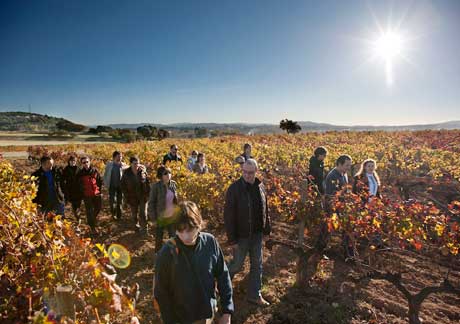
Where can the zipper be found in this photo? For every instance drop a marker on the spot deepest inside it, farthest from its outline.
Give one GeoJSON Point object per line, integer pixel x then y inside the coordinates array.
{"type": "Point", "coordinates": [250, 212]}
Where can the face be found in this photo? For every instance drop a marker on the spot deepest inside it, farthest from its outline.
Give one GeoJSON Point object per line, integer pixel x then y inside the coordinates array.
{"type": "Point", "coordinates": [166, 177]}
{"type": "Point", "coordinates": [48, 165]}
{"type": "Point", "coordinates": [174, 150]}
{"type": "Point", "coordinates": [369, 167]}
{"type": "Point", "coordinates": [188, 236]}
{"type": "Point", "coordinates": [86, 163]}
{"type": "Point", "coordinates": [344, 168]}
{"type": "Point", "coordinates": [135, 164]}
{"type": "Point", "coordinates": [247, 150]}
{"type": "Point", "coordinates": [118, 158]}
{"type": "Point", "coordinates": [202, 159]}
{"type": "Point", "coordinates": [73, 163]}
{"type": "Point", "coordinates": [194, 156]}
{"type": "Point", "coordinates": [321, 157]}
{"type": "Point", "coordinates": [249, 173]}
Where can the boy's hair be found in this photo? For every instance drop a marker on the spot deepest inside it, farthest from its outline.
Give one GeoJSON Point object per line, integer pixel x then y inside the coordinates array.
{"type": "Point", "coordinates": [115, 154]}
{"type": "Point", "coordinates": [320, 150]}
{"type": "Point", "coordinates": [188, 216]}
{"type": "Point", "coordinates": [45, 158]}
{"type": "Point", "coordinates": [133, 159]}
{"type": "Point", "coordinates": [342, 159]}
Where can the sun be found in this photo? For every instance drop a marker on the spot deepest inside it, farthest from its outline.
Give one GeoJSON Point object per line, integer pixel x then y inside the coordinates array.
{"type": "Point", "coordinates": [388, 47]}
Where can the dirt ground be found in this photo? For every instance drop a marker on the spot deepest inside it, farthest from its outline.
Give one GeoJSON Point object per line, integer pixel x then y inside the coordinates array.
{"type": "Point", "coordinates": [332, 296]}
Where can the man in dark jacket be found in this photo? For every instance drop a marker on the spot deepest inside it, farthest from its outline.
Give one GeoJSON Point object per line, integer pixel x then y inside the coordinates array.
{"type": "Point", "coordinates": [336, 181]}
{"type": "Point", "coordinates": [50, 196]}
{"type": "Point", "coordinates": [71, 186]}
{"type": "Point", "coordinates": [316, 168]}
{"type": "Point", "coordinates": [246, 222]}
{"type": "Point", "coordinates": [135, 186]}
{"type": "Point", "coordinates": [172, 155]}
{"type": "Point", "coordinates": [90, 186]}
{"type": "Point", "coordinates": [187, 269]}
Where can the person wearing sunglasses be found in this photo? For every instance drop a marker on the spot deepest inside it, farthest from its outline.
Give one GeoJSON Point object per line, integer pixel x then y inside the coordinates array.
{"type": "Point", "coordinates": [162, 204]}
{"type": "Point", "coordinates": [173, 155]}
{"type": "Point", "coordinates": [189, 268]}
{"type": "Point", "coordinates": [91, 189]}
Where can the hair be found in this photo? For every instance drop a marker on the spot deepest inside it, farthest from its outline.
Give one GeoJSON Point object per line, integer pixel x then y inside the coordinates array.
{"type": "Point", "coordinates": [200, 155]}
{"type": "Point", "coordinates": [161, 170]}
{"type": "Point", "coordinates": [84, 157]}
{"type": "Point", "coordinates": [115, 154]}
{"type": "Point", "coordinates": [45, 158]}
{"type": "Point", "coordinates": [247, 145]}
{"type": "Point", "coordinates": [252, 162]}
{"type": "Point", "coordinates": [173, 146]}
{"type": "Point", "coordinates": [188, 217]}
{"type": "Point", "coordinates": [194, 152]}
{"type": "Point", "coordinates": [133, 159]}
{"type": "Point", "coordinates": [71, 158]}
{"type": "Point", "coordinates": [240, 159]}
{"type": "Point", "coordinates": [342, 159]}
{"type": "Point", "coordinates": [362, 169]}
{"type": "Point", "coordinates": [320, 150]}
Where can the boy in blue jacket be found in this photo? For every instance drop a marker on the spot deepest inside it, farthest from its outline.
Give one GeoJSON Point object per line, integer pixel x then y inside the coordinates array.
{"type": "Point", "coordinates": [187, 269]}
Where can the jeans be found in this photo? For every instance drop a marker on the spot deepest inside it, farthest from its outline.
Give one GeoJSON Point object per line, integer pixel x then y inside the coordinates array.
{"type": "Point", "coordinates": [253, 246]}
{"type": "Point", "coordinates": [115, 201]}
{"type": "Point", "coordinates": [159, 235]}
{"type": "Point", "coordinates": [138, 214]}
{"type": "Point", "coordinates": [93, 207]}
{"type": "Point", "coordinates": [58, 209]}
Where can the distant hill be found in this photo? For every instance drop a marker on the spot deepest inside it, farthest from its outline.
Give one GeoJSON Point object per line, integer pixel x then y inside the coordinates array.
{"type": "Point", "coordinates": [31, 122]}
{"type": "Point", "coordinates": [307, 126]}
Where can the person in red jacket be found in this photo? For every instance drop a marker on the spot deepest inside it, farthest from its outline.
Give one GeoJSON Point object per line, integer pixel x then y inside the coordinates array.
{"type": "Point", "coordinates": [90, 183]}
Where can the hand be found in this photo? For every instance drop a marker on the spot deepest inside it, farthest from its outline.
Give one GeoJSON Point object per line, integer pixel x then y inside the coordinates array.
{"type": "Point", "coordinates": [225, 319]}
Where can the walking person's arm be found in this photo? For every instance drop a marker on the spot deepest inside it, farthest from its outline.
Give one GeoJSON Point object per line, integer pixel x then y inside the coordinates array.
{"type": "Point", "coordinates": [224, 285]}
{"type": "Point", "coordinates": [230, 216]}
{"type": "Point", "coordinates": [162, 290]}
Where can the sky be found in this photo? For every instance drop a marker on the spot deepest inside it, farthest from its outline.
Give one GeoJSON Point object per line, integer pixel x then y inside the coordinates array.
{"type": "Point", "coordinates": [259, 61]}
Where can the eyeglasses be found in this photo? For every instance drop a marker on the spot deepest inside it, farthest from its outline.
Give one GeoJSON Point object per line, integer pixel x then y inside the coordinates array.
{"type": "Point", "coordinates": [85, 162]}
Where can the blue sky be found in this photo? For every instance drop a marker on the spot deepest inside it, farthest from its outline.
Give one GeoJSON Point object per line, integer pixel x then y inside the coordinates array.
{"type": "Point", "coordinates": [99, 62]}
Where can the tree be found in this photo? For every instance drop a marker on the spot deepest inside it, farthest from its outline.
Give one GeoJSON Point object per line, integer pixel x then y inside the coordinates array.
{"type": "Point", "coordinates": [163, 134]}
{"type": "Point", "coordinates": [103, 129]}
{"type": "Point", "coordinates": [68, 126]}
{"type": "Point", "coordinates": [201, 132]}
{"type": "Point", "coordinates": [147, 132]}
{"type": "Point", "coordinates": [291, 127]}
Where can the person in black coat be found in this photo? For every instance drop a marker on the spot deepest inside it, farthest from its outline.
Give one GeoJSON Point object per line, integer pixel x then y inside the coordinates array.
{"type": "Point", "coordinates": [316, 168]}
{"type": "Point", "coordinates": [50, 196]}
{"type": "Point", "coordinates": [247, 221]}
{"type": "Point", "coordinates": [71, 186]}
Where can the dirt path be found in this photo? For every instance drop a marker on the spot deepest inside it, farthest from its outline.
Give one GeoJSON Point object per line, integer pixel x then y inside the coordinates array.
{"type": "Point", "coordinates": [332, 297]}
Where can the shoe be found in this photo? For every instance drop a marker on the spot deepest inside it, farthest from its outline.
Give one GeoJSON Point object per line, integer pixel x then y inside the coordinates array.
{"type": "Point", "coordinates": [259, 302]}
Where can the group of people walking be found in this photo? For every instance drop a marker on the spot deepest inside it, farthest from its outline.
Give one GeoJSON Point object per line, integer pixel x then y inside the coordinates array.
{"type": "Point", "coordinates": [190, 264]}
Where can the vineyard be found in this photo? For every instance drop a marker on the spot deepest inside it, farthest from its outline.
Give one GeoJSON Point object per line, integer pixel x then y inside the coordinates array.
{"type": "Point", "coordinates": [414, 277]}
